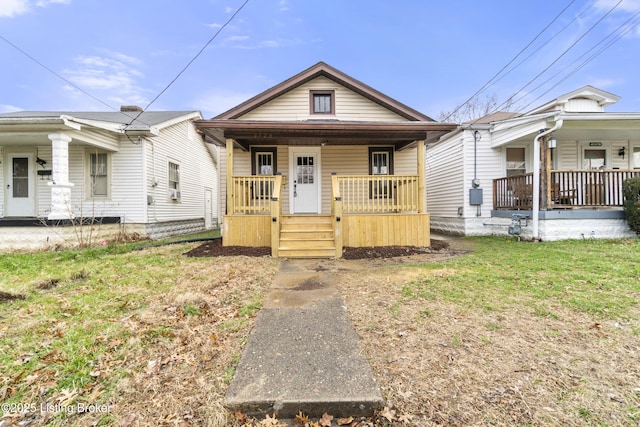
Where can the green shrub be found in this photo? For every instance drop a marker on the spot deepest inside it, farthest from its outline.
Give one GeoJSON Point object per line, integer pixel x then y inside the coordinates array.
{"type": "Point", "coordinates": [632, 203]}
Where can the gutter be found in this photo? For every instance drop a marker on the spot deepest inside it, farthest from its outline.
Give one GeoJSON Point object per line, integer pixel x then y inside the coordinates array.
{"type": "Point", "coordinates": [536, 177]}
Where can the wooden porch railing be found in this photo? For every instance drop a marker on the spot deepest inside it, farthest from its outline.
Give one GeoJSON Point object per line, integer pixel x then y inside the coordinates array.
{"type": "Point", "coordinates": [252, 194]}
{"type": "Point", "coordinates": [567, 189]}
{"type": "Point", "coordinates": [377, 194]}
{"type": "Point", "coordinates": [276, 215]}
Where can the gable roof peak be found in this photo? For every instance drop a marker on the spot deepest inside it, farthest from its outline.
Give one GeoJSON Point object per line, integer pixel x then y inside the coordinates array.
{"type": "Point", "coordinates": [323, 69]}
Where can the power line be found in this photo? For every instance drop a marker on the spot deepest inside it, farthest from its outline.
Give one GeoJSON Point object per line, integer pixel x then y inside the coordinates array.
{"type": "Point", "coordinates": [70, 83]}
{"type": "Point", "coordinates": [610, 43]}
{"type": "Point", "coordinates": [559, 56]}
{"type": "Point", "coordinates": [488, 83]}
{"type": "Point", "coordinates": [539, 48]}
{"type": "Point", "coordinates": [56, 74]}
{"type": "Point", "coordinates": [190, 62]}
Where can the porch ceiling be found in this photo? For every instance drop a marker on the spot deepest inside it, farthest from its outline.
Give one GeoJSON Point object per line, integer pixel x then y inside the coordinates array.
{"type": "Point", "coordinates": [247, 133]}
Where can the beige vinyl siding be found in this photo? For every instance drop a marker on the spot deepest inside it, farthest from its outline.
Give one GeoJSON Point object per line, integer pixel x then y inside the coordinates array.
{"type": "Point", "coordinates": [352, 160]}
{"type": "Point", "coordinates": [344, 160]}
{"type": "Point", "coordinates": [294, 105]}
{"type": "Point", "coordinates": [444, 178]}
{"type": "Point", "coordinates": [405, 162]}
{"type": "Point", "coordinates": [179, 145]}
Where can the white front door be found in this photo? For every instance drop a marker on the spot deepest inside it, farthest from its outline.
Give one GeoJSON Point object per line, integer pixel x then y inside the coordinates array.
{"type": "Point", "coordinates": [19, 185]}
{"type": "Point", "coordinates": [305, 180]}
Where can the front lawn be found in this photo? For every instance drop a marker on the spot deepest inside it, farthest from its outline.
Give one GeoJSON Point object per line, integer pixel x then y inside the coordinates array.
{"type": "Point", "coordinates": [511, 333]}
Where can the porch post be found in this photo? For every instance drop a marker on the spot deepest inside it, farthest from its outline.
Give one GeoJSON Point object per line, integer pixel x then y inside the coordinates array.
{"type": "Point", "coordinates": [60, 185]}
{"type": "Point", "coordinates": [421, 154]}
{"type": "Point", "coordinates": [230, 195]}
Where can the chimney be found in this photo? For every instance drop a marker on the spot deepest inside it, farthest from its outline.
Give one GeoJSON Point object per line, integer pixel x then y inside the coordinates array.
{"type": "Point", "coordinates": [130, 109]}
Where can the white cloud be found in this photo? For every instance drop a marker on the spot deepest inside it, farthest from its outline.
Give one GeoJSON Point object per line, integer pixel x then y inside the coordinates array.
{"type": "Point", "coordinates": [11, 8]}
{"type": "Point", "coordinates": [115, 74]}
{"type": "Point", "coordinates": [45, 3]}
{"type": "Point", "coordinates": [6, 108]}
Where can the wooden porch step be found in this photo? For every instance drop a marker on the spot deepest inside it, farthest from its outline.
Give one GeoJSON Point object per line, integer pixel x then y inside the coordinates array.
{"type": "Point", "coordinates": [306, 236]}
{"type": "Point", "coordinates": [284, 252]}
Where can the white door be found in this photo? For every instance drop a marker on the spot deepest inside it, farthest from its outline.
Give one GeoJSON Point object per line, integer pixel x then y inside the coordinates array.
{"type": "Point", "coordinates": [19, 185]}
{"type": "Point", "coordinates": [208, 198]}
{"type": "Point", "coordinates": [305, 181]}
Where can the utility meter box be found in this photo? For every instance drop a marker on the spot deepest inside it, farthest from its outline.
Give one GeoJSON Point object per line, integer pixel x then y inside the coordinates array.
{"type": "Point", "coordinates": [475, 196]}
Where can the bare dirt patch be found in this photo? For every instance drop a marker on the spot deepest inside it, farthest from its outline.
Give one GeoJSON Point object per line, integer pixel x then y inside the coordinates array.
{"type": "Point", "coordinates": [215, 248]}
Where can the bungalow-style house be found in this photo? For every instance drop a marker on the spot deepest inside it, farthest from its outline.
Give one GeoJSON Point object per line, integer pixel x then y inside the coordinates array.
{"type": "Point", "coordinates": [555, 172]}
{"type": "Point", "coordinates": [322, 161]}
{"type": "Point", "coordinates": [102, 173]}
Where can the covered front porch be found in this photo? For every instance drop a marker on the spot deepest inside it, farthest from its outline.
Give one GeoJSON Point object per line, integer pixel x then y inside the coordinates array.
{"type": "Point", "coordinates": [563, 189]}
{"type": "Point", "coordinates": [326, 185]}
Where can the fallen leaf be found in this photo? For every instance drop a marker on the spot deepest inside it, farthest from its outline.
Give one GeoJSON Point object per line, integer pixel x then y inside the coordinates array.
{"type": "Point", "coordinates": [271, 421]}
{"type": "Point", "coordinates": [345, 421]}
{"type": "Point", "coordinates": [389, 414]}
{"type": "Point", "coordinates": [301, 419]}
{"type": "Point", "coordinates": [127, 421]}
{"type": "Point", "coordinates": [326, 419]}
{"type": "Point", "coordinates": [405, 418]}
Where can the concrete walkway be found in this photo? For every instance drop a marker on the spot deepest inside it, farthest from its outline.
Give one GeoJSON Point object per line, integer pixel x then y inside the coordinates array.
{"type": "Point", "coordinates": [303, 354]}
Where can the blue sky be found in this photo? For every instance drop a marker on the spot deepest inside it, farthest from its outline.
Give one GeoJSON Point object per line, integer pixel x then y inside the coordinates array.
{"type": "Point", "coordinates": [429, 54]}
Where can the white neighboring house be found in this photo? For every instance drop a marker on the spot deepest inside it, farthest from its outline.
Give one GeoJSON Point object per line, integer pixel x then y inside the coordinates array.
{"type": "Point", "coordinates": [156, 177]}
{"type": "Point", "coordinates": [559, 168]}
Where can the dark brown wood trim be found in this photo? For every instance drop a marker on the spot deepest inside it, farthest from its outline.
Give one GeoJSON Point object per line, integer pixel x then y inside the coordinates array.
{"type": "Point", "coordinates": [331, 93]}
{"type": "Point", "coordinates": [261, 149]}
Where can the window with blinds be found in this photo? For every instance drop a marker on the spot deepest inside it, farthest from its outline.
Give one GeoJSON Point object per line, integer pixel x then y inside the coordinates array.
{"type": "Point", "coordinates": [322, 102]}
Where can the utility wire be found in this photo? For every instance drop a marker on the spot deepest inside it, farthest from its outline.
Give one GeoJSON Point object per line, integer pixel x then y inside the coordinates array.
{"type": "Point", "coordinates": [190, 62]}
{"type": "Point", "coordinates": [491, 80]}
{"type": "Point", "coordinates": [542, 46]}
{"type": "Point", "coordinates": [614, 38]}
{"type": "Point", "coordinates": [56, 74]}
{"type": "Point", "coordinates": [559, 56]}
{"type": "Point", "coordinates": [67, 81]}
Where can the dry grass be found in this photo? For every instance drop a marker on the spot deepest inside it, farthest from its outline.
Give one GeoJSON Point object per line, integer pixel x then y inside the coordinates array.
{"type": "Point", "coordinates": [440, 362]}
{"type": "Point", "coordinates": [152, 334]}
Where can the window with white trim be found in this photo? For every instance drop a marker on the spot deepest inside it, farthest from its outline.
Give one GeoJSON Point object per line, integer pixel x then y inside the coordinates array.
{"type": "Point", "coordinates": [516, 161]}
{"type": "Point", "coordinates": [635, 157]}
{"type": "Point", "coordinates": [174, 181]}
{"type": "Point", "coordinates": [98, 179]}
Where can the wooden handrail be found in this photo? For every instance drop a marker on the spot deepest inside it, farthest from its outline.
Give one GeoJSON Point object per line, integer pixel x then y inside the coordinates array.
{"type": "Point", "coordinates": [567, 189]}
{"type": "Point", "coordinates": [252, 194]}
{"type": "Point", "coordinates": [377, 193]}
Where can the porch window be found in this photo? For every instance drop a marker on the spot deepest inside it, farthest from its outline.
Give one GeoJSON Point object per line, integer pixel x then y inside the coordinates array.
{"type": "Point", "coordinates": [594, 159]}
{"type": "Point", "coordinates": [515, 161]}
{"type": "Point", "coordinates": [263, 163]}
{"type": "Point", "coordinates": [380, 163]}
{"type": "Point", "coordinates": [322, 102]}
{"type": "Point", "coordinates": [174, 181]}
{"type": "Point", "coordinates": [635, 158]}
{"type": "Point", "coordinates": [98, 174]}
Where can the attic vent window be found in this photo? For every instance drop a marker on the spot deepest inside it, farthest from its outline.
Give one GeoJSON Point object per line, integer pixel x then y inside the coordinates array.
{"type": "Point", "coordinates": [322, 102]}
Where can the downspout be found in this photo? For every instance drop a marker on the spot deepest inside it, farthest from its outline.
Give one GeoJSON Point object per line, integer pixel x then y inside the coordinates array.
{"type": "Point", "coordinates": [536, 178]}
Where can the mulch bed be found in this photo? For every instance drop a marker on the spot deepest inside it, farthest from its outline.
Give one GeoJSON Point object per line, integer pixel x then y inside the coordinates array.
{"type": "Point", "coordinates": [214, 248]}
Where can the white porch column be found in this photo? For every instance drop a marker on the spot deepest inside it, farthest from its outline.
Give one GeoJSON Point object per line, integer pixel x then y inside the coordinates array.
{"type": "Point", "coordinates": [60, 186]}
